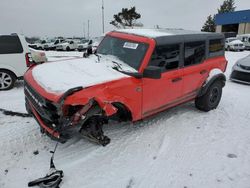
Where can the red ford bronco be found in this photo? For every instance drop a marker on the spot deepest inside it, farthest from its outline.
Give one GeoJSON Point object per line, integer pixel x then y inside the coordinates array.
{"type": "Point", "coordinates": [134, 73]}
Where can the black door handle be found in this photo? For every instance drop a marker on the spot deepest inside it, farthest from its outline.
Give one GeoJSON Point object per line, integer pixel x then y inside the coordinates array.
{"type": "Point", "coordinates": [176, 79]}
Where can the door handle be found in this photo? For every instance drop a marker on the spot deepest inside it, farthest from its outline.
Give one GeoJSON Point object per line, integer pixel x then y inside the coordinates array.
{"type": "Point", "coordinates": [203, 72]}
{"type": "Point", "coordinates": [177, 79]}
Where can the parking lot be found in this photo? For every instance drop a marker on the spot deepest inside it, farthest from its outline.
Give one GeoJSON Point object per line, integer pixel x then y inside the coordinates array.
{"type": "Point", "coordinates": [181, 147]}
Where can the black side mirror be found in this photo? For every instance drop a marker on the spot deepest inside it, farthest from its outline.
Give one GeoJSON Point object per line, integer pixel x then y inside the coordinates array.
{"type": "Point", "coordinates": [88, 52]}
{"type": "Point", "coordinates": [152, 72]}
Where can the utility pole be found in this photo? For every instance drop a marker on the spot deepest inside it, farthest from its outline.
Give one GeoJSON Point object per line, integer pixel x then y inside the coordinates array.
{"type": "Point", "coordinates": [102, 17]}
{"type": "Point", "coordinates": [88, 29]}
{"type": "Point", "coordinates": [84, 34]}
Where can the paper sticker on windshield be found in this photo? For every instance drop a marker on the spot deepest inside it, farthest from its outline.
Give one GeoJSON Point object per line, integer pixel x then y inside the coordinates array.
{"type": "Point", "coordinates": [130, 45]}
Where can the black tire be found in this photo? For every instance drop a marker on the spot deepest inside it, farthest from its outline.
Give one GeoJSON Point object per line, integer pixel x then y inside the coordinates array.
{"type": "Point", "coordinates": [228, 48]}
{"type": "Point", "coordinates": [7, 80]}
{"type": "Point", "coordinates": [211, 99]}
{"type": "Point", "coordinates": [68, 48]}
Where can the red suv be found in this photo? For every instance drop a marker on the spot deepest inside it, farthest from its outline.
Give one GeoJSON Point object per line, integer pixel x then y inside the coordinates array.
{"type": "Point", "coordinates": [135, 73]}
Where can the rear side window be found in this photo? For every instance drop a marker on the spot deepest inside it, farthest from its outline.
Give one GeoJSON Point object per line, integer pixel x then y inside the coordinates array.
{"type": "Point", "coordinates": [216, 47]}
{"type": "Point", "coordinates": [10, 45]}
{"type": "Point", "coordinates": [166, 57]}
{"type": "Point", "coordinates": [194, 52]}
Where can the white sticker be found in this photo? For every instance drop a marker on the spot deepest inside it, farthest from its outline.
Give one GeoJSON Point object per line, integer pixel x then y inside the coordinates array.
{"type": "Point", "coordinates": [130, 45]}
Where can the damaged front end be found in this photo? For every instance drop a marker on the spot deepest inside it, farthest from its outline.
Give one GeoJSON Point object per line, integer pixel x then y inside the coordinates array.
{"type": "Point", "coordinates": [58, 119]}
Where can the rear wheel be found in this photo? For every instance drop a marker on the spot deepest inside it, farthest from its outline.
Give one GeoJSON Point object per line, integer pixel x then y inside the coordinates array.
{"type": "Point", "coordinates": [7, 80]}
{"type": "Point", "coordinates": [211, 99]}
{"type": "Point", "coordinates": [68, 48]}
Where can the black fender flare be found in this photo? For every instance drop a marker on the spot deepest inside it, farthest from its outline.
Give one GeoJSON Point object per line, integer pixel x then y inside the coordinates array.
{"type": "Point", "coordinates": [221, 77]}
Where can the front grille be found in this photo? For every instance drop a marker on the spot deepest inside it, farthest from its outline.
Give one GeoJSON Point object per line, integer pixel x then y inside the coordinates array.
{"type": "Point", "coordinates": [242, 76]}
{"type": "Point", "coordinates": [44, 107]}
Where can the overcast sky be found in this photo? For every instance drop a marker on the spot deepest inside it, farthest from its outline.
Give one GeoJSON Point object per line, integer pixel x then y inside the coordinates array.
{"type": "Point", "coordinates": [67, 17]}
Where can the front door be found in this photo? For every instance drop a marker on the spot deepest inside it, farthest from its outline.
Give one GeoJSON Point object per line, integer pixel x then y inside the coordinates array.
{"type": "Point", "coordinates": [160, 94]}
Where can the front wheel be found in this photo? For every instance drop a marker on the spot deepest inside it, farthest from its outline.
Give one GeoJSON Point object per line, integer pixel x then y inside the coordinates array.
{"type": "Point", "coordinates": [7, 80]}
{"type": "Point", "coordinates": [211, 99]}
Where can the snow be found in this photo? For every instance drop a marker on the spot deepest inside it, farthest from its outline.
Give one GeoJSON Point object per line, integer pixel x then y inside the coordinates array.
{"type": "Point", "coordinates": [236, 42]}
{"type": "Point", "coordinates": [213, 73]}
{"type": "Point", "coordinates": [152, 33]}
{"type": "Point", "coordinates": [60, 56]}
{"type": "Point", "coordinates": [58, 77]}
{"type": "Point", "coordinates": [181, 147]}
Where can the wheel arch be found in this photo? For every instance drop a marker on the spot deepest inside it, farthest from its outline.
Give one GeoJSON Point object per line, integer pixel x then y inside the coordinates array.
{"type": "Point", "coordinates": [5, 69]}
{"type": "Point", "coordinates": [218, 77]}
{"type": "Point", "coordinates": [123, 112]}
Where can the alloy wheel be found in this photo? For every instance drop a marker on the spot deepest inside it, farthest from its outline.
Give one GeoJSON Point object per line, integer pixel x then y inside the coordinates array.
{"type": "Point", "coordinates": [5, 80]}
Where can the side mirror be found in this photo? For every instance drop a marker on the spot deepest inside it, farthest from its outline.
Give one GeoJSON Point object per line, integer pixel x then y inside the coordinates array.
{"type": "Point", "coordinates": [152, 72]}
{"type": "Point", "coordinates": [88, 52]}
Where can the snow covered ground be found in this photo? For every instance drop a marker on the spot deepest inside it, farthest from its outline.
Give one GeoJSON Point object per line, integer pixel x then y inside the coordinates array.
{"type": "Point", "coordinates": [181, 147]}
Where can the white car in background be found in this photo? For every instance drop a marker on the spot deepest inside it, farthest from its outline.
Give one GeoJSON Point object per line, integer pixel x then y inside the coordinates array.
{"type": "Point", "coordinates": [53, 43]}
{"type": "Point", "coordinates": [234, 44]}
{"type": "Point", "coordinates": [39, 45]}
{"type": "Point", "coordinates": [15, 58]}
{"type": "Point", "coordinates": [83, 45]}
{"type": "Point", "coordinates": [245, 38]}
{"type": "Point", "coordinates": [68, 45]}
{"type": "Point", "coordinates": [48, 45]}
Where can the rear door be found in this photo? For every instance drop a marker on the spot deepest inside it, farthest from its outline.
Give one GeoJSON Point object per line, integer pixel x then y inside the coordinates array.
{"type": "Point", "coordinates": [159, 94]}
{"type": "Point", "coordinates": [194, 71]}
{"type": "Point", "coordinates": [12, 54]}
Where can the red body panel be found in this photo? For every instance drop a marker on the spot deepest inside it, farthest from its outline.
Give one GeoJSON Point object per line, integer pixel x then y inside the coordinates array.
{"type": "Point", "coordinates": [159, 92]}
{"type": "Point", "coordinates": [194, 76]}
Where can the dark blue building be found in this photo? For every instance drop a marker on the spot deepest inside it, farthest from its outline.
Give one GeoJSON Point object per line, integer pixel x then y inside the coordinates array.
{"type": "Point", "coordinates": [238, 22]}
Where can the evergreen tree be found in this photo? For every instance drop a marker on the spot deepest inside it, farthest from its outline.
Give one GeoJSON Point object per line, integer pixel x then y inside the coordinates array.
{"type": "Point", "coordinates": [209, 25]}
{"type": "Point", "coordinates": [126, 18]}
{"type": "Point", "coordinates": [227, 6]}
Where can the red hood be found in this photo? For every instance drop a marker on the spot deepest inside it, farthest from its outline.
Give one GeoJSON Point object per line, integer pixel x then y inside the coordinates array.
{"type": "Point", "coordinates": [30, 80]}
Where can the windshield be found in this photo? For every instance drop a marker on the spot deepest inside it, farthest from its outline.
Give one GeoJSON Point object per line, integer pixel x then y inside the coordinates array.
{"type": "Point", "coordinates": [131, 53]}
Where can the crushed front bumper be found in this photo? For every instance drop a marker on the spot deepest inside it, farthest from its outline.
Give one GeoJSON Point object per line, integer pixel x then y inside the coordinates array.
{"type": "Point", "coordinates": [45, 113]}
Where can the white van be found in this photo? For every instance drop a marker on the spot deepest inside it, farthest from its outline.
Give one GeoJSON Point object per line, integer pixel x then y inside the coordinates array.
{"type": "Point", "coordinates": [245, 38]}
{"type": "Point", "coordinates": [15, 59]}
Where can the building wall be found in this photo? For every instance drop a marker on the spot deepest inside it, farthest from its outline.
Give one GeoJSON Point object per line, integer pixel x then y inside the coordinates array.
{"type": "Point", "coordinates": [247, 31]}
{"type": "Point", "coordinates": [244, 28]}
{"type": "Point", "coordinates": [218, 28]}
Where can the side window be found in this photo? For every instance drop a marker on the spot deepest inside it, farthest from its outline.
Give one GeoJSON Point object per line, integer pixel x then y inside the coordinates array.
{"type": "Point", "coordinates": [10, 45]}
{"type": "Point", "coordinates": [216, 47]}
{"type": "Point", "coordinates": [167, 57]}
{"type": "Point", "coordinates": [194, 53]}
